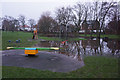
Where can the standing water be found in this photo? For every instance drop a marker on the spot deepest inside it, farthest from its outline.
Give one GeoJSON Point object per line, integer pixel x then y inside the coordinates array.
{"type": "Point", "coordinates": [89, 47]}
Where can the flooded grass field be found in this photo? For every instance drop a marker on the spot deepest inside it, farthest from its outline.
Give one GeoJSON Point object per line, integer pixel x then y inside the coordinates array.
{"type": "Point", "coordinates": [88, 47]}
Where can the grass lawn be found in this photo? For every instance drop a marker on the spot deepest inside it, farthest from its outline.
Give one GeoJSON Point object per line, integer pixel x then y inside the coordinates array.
{"type": "Point", "coordinates": [59, 39]}
{"type": "Point", "coordinates": [102, 36]}
{"type": "Point", "coordinates": [13, 36]}
{"type": "Point", "coordinates": [95, 67]}
{"type": "Point", "coordinates": [76, 39]}
{"type": "Point", "coordinates": [51, 38]}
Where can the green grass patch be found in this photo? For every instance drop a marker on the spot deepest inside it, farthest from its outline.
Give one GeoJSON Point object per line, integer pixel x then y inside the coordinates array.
{"type": "Point", "coordinates": [76, 39]}
{"type": "Point", "coordinates": [61, 39]}
{"type": "Point", "coordinates": [102, 36]}
{"type": "Point", "coordinates": [13, 36]}
{"type": "Point", "coordinates": [51, 38]}
{"type": "Point", "coordinates": [95, 67]}
{"type": "Point", "coordinates": [111, 36]}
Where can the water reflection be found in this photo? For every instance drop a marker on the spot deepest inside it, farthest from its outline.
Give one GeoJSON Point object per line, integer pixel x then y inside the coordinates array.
{"type": "Point", "coordinates": [114, 46]}
{"type": "Point", "coordinates": [77, 49]}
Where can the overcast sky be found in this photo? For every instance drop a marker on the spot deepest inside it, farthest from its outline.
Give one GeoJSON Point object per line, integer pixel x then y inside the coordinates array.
{"type": "Point", "coordinates": [33, 8]}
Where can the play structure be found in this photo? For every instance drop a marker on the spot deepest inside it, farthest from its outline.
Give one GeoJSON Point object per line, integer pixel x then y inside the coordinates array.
{"type": "Point", "coordinates": [33, 51]}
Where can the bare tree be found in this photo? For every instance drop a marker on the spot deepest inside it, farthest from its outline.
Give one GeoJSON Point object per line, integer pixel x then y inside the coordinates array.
{"type": "Point", "coordinates": [32, 23]}
{"type": "Point", "coordinates": [77, 15]}
{"type": "Point", "coordinates": [17, 24]}
{"type": "Point", "coordinates": [101, 10]}
{"type": "Point", "coordinates": [85, 19]}
{"type": "Point", "coordinates": [1, 22]}
{"type": "Point", "coordinates": [22, 21]}
{"type": "Point", "coordinates": [8, 23]}
{"type": "Point", "coordinates": [63, 17]}
{"type": "Point", "coordinates": [5, 25]}
{"type": "Point", "coordinates": [106, 7]}
{"type": "Point", "coordinates": [12, 22]}
{"type": "Point", "coordinates": [96, 15]}
{"type": "Point", "coordinates": [113, 25]}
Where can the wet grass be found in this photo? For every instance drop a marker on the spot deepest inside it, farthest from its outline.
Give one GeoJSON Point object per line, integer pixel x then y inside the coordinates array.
{"type": "Point", "coordinates": [95, 67]}
{"type": "Point", "coordinates": [111, 36]}
{"type": "Point", "coordinates": [76, 39]}
{"type": "Point", "coordinates": [13, 36]}
{"type": "Point", "coordinates": [103, 35]}
{"type": "Point", "coordinates": [51, 38]}
{"type": "Point", "coordinates": [61, 39]}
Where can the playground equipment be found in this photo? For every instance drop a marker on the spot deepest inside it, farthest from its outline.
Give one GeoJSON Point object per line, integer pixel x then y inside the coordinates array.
{"type": "Point", "coordinates": [9, 41]}
{"type": "Point", "coordinates": [33, 51]}
{"type": "Point", "coordinates": [63, 42]}
{"type": "Point", "coordinates": [17, 41]}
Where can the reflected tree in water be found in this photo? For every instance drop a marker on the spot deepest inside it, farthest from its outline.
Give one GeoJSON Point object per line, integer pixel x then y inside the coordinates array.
{"type": "Point", "coordinates": [114, 46]}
